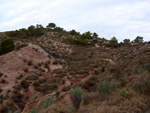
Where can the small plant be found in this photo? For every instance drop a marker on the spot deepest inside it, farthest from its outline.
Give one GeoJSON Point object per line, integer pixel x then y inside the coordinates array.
{"type": "Point", "coordinates": [46, 65]}
{"type": "Point", "coordinates": [96, 72]}
{"type": "Point", "coordinates": [49, 42]}
{"type": "Point", "coordinates": [78, 41]}
{"type": "Point", "coordinates": [7, 45]}
{"type": "Point", "coordinates": [20, 76]}
{"type": "Point", "coordinates": [30, 63]}
{"type": "Point", "coordinates": [94, 78]}
{"type": "Point", "coordinates": [48, 62]}
{"type": "Point", "coordinates": [47, 101]}
{"type": "Point", "coordinates": [104, 87]}
{"type": "Point", "coordinates": [35, 67]}
{"type": "Point", "coordinates": [138, 87]}
{"type": "Point", "coordinates": [10, 111]}
{"type": "Point", "coordinates": [24, 60]}
{"type": "Point", "coordinates": [76, 96]}
{"type": "Point", "coordinates": [146, 66]}
{"type": "Point", "coordinates": [26, 70]}
{"type": "Point", "coordinates": [55, 62]}
{"type": "Point", "coordinates": [116, 72]}
{"type": "Point", "coordinates": [39, 64]}
{"type": "Point", "coordinates": [113, 42]}
{"type": "Point", "coordinates": [73, 110]}
{"type": "Point", "coordinates": [138, 39]}
{"type": "Point", "coordinates": [122, 93]}
{"type": "Point", "coordinates": [87, 98]}
{"type": "Point", "coordinates": [51, 25]}
{"type": "Point", "coordinates": [18, 111]}
{"type": "Point", "coordinates": [32, 77]}
{"type": "Point", "coordinates": [49, 56]}
{"type": "Point", "coordinates": [89, 85]}
{"type": "Point", "coordinates": [36, 84]}
{"type": "Point", "coordinates": [1, 90]}
{"type": "Point", "coordinates": [3, 81]}
{"type": "Point", "coordinates": [39, 74]}
{"type": "Point", "coordinates": [1, 74]}
{"type": "Point", "coordinates": [126, 41]}
{"type": "Point", "coordinates": [32, 111]}
{"type": "Point", "coordinates": [24, 84]}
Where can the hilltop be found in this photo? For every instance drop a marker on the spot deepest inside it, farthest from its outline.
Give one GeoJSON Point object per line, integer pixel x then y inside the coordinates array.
{"type": "Point", "coordinates": [46, 64]}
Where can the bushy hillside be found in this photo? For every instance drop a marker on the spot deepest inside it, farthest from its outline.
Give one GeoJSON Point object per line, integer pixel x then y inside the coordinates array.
{"type": "Point", "coordinates": [56, 71]}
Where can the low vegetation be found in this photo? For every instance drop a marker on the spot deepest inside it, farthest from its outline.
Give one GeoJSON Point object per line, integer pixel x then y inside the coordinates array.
{"type": "Point", "coordinates": [94, 74]}
{"type": "Point", "coordinates": [46, 102]}
{"type": "Point", "coordinates": [104, 87]}
{"type": "Point", "coordinates": [6, 46]}
{"type": "Point", "coordinates": [76, 96]}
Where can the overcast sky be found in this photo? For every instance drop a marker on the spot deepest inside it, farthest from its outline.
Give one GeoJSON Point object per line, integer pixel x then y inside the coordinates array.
{"type": "Point", "coordinates": [108, 18]}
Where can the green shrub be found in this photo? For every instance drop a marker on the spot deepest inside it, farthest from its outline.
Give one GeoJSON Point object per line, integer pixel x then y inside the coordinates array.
{"type": "Point", "coordinates": [32, 31]}
{"type": "Point", "coordinates": [3, 81]}
{"type": "Point", "coordinates": [55, 62]}
{"type": "Point", "coordinates": [113, 42]}
{"type": "Point", "coordinates": [86, 35]}
{"type": "Point", "coordinates": [87, 98]}
{"type": "Point", "coordinates": [76, 96]}
{"type": "Point", "coordinates": [104, 87]}
{"type": "Point", "coordinates": [73, 32]}
{"type": "Point", "coordinates": [77, 41]}
{"type": "Point", "coordinates": [1, 74]}
{"type": "Point", "coordinates": [46, 65]}
{"type": "Point", "coordinates": [95, 34]}
{"type": "Point", "coordinates": [25, 84]}
{"type": "Point", "coordinates": [47, 101]}
{"type": "Point", "coordinates": [58, 29]}
{"type": "Point", "coordinates": [146, 66]}
{"type": "Point", "coordinates": [30, 63]}
{"type": "Point", "coordinates": [32, 77]}
{"type": "Point", "coordinates": [18, 111]}
{"type": "Point", "coordinates": [38, 32]}
{"type": "Point", "coordinates": [138, 39]}
{"type": "Point", "coordinates": [13, 33]}
{"type": "Point", "coordinates": [10, 111]}
{"type": "Point", "coordinates": [138, 87]}
{"type": "Point", "coordinates": [143, 67]}
{"type": "Point", "coordinates": [6, 46]}
{"type": "Point", "coordinates": [1, 90]}
{"type": "Point", "coordinates": [115, 71]}
{"type": "Point", "coordinates": [39, 64]}
{"type": "Point", "coordinates": [126, 41]}
{"type": "Point", "coordinates": [94, 78]}
{"type": "Point", "coordinates": [89, 85]}
{"type": "Point", "coordinates": [81, 41]}
{"type": "Point", "coordinates": [122, 93]}
{"type": "Point", "coordinates": [26, 70]}
{"type": "Point", "coordinates": [51, 25]}
{"type": "Point", "coordinates": [35, 67]}
{"type": "Point", "coordinates": [32, 111]}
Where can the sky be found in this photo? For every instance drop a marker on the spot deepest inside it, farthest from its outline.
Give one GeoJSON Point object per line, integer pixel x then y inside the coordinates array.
{"type": "Point", "coordinates": [124, 19]}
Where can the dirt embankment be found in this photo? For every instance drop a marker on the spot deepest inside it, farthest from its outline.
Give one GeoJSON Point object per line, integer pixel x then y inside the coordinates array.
{"type": "Point", "coordinates": [14, 63]}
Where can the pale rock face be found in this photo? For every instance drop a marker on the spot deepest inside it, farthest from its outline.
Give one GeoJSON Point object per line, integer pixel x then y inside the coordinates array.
{"type": "Point", "coordinates": [38, 49]}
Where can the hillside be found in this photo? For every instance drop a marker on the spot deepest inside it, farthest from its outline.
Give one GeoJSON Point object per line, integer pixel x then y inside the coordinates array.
{"type": "Point", "coordinates": [44, 68]}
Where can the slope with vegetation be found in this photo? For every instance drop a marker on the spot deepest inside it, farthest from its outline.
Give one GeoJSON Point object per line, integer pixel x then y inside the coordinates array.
{"type": "Point", "coordinates": [51, 70]}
